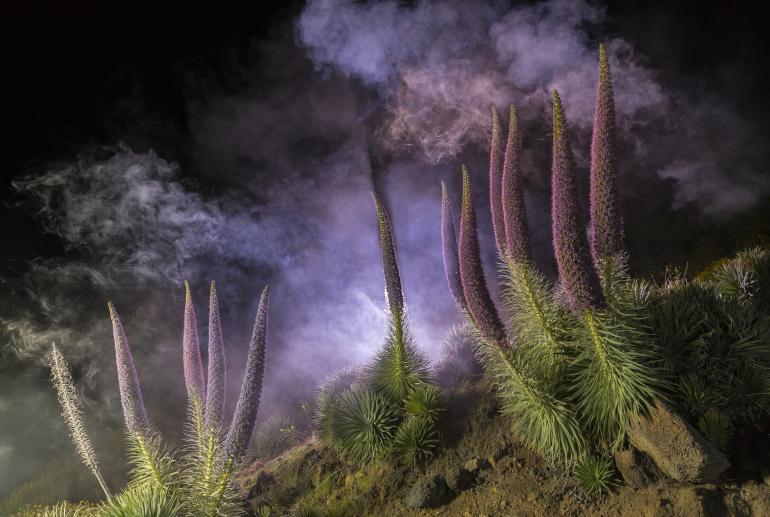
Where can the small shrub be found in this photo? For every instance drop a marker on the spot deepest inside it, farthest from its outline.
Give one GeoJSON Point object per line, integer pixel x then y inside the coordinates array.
{"type": "Point", "coordinates": [364, 424]}
{"type": "Point", "coordinates": [596, 475]}
{"type": "Point", "coordinates": [424, 401]}
{"type": "Point", "coordinates": [716, 427]}
{"type": "Point", "coordinates": [415, 440]}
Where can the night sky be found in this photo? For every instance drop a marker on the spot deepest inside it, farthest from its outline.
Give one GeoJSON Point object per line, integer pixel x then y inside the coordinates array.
{"type": "Point", "coordinates": [222, 89]}
{"type": "Point", "coordinates": [90, 73]}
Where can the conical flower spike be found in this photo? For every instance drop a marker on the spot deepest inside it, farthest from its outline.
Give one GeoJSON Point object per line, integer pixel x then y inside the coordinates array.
{"type": "Point", "coordinates": [70, 410]}
{"type": "Point", "coordinates": [215, 391]}
{"type": "Point", "coordinates": [495, 184]}
{"type": "Point", "coordinates": [191, 351]}
{"type": "Point", "coordinates": [242, 426]}
{"type": "Point", "coordinates": [449, 247]}
{"type": "Point", "coordinates": [514, 212]}
{"type": "Point", "coordinates": [606, 230]}
{"type": "Point", "coordinates": [128, 382]}
{"type": "Point", "coordinates": [393, 290]}
{"type": "Point", "coordinates": [576, 272]}
{"type": "Point", "coordinates": [477, 296]}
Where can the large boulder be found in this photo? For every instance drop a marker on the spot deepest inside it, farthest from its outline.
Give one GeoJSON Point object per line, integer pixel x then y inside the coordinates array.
{"type": "Point", "coordinates": [429, 492]}
{"type": "Point", "coordinates": [676, 448]}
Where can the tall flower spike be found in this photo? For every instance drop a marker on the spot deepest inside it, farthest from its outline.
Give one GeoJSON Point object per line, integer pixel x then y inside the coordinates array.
{"type": "Point", "coordinates": [70, 410]}
{"type": "Point", "coordinates": [128, 381]}
{"type": "Point", "coordinates": [191, 351]}
{"type": "Point", "coordinates": [449, 247]}
{"type": "Point", "coordinates": [495, 184]}
{"type": "Point", "coordinates": [570, 245]}
{"type": "Point", "coordinates": [606, 230]}
{"type": "Point", "coordinates": [242, 426]}
{"type": "Point", "coordinates": [393, 290]}
{"type": "Point", "coordinates": [477, 297]}
{"type": "Point", "coordinates": [215, 391]}
{"type": "Point", "coordinates": [514, 211]}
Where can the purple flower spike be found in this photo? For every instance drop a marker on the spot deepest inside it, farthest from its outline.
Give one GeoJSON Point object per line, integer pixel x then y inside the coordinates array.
{"type": "Point", "coordinates": [242, 426]}
{"type": "Point", "coordinates": [606, 230]}
{"type": "Point", "coordinates": [128, 382]}
{"type": "Point", "coordinates": [215, 391]}
{"type": "Point", "coordinates": [495, 185]}
{"type": "Point", "coordinates": [477, 297]}
{"type": "Point", "coordinates": [393, 290]}
{"type": "Point", "coordinates": [191, 351]}
{"type": "Point", "coordinates": [576, 272]}
{"type": "Point", "coordinates": [449, 247]}
{"type": "Point", "coordinates": [514, 211]}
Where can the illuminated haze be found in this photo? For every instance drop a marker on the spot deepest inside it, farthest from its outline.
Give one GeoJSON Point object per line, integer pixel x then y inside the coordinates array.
{"type": "Point", "coordinates": [351, 98]}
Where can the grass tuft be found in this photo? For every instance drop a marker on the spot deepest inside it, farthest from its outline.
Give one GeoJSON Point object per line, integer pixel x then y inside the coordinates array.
{"type": "Point", "coordinates": [596, 475]}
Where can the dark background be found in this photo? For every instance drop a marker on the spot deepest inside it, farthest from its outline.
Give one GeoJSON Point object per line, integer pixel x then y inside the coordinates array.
{"type": "Point", "coordinates": [86, 72]}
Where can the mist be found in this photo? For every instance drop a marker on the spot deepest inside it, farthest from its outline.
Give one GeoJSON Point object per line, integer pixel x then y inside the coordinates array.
{"type": "Point", "coordinates": [347, 98]}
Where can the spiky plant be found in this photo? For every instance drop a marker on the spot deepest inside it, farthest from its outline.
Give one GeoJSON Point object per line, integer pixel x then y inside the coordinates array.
{"type": "Point", "coordinates": [63, 509]}
{"type": "Point", "coordinates": [73, 417]}
{"type": "Point", "coordinates": [142, 501]}
{"type": "Point", "coordinates": [327, 402]}
{"type": "Point", "coordinates": [696, 395]}
{"type": "Point", "coordinates": [199, 483]}
{"type": "Point", "coordinates": [416, 440]}
{"type": "Point", "coordinates": [542, 415]}
{"type": "Point", "coordinates": [424, 401]}
{"type": "Point", "coordinates": [541, 323]}
{"type": "Point", "coordinates": [457, 361]}
{"type": "Point", "coordinates": [134, 413]}
{"type": "Point", "coordinates": [614, 375]}
{"type": "Point", "coordinates": [364, 424]}
{"type": "Point", "coordinates": [576, 272]}
{"type": "Point", "coordinates": [398, 366]}
{"type": "Point", "coordinates": [596, 475]}
{"type": "Point", "coordinates": [606, 231]}
{"type": "Point", "coordinates": [242, 425]}
{"type": "Point", "coordinates": [449, 248]}
{"type": "Point", "coordinates": [215, 389]}
{"type": "Point", "coordinates": [152, 463]}
{"type": "Point", "coordinates": [716, 427]}
{"type": "Point", "coordinates": [713, 341]}
{"type": "Point", "coordinates": [512, 198]}
{"type": "Point", "coordinates": [480, 307]}
{"type": "Point", "coordinates": [274, 436]}
{"type": "Point", "coordinates": [193, 366]}
{"type": "Point", "coordinates": [206, 484]}
{"type": "Point", "coordinates": [496, 185]}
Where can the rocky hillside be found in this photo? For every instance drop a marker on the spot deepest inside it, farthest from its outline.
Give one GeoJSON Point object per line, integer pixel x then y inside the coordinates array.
{"type": "Point", "coordinates": [482, 470]}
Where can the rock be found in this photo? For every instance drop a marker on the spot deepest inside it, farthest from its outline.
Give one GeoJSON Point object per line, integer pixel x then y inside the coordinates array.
{"type": "Point", "coordinates": [676, 448]}
{"type": "Point", "coordinates": [459, 479]}
{"type": "Point", "coordinates": [473, 465]}
{"type": "Point", "coordinates": [429, 492]}
{"type": "Point", "coordinates": [631, 468]}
